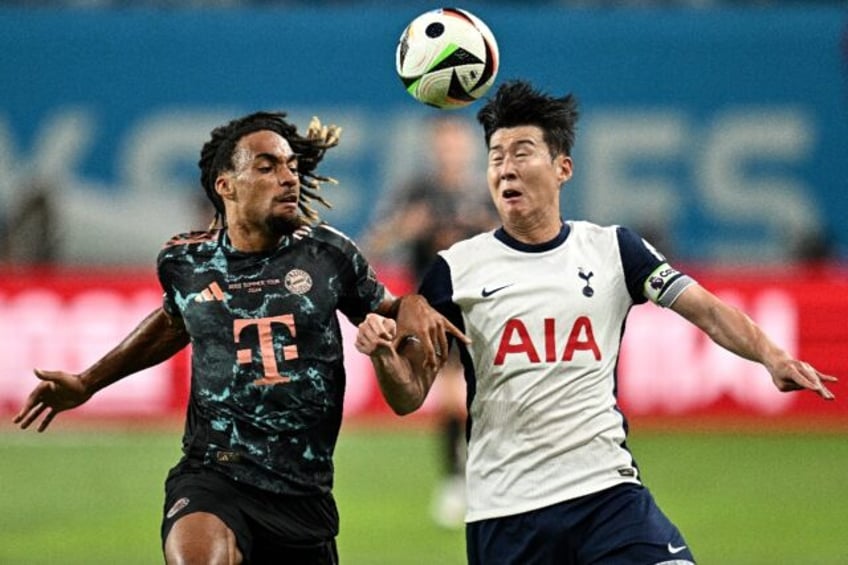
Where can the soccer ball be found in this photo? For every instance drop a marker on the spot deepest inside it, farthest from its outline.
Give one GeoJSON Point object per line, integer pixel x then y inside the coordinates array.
{"type": "Point", "coordinates": [447, 58]}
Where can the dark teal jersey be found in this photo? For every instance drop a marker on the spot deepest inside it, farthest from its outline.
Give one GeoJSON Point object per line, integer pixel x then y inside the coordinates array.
{"type": "Point", "coordinates": [267, 373]}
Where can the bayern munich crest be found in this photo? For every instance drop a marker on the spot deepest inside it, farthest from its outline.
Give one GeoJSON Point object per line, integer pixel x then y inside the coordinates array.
{"type": "Point", "coordinates": [298, 281]}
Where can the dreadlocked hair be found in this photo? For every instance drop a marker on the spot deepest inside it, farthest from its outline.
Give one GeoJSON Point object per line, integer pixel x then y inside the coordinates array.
{"type": "Point", "coordinates": [517, 103]}
{"type": "Point", "coordinates": [216, 156]}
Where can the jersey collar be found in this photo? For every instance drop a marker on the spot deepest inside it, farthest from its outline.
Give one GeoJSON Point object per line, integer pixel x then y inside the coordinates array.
{"type": "Point", "coordinates": [506, 239]}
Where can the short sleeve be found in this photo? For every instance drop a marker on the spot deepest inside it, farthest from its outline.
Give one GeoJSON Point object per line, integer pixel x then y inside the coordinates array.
{"type": "Point", "coordinates": [647, 273]}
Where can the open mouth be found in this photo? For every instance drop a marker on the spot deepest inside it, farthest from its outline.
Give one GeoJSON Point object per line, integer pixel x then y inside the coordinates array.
{"type": "Point", "coordinates": [510, 193]}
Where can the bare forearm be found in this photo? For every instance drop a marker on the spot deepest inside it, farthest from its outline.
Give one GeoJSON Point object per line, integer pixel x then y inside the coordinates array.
{"type": "Point", "coordinates": [728, 326]}
{"type": "Point", "coordinates": [732, 329]}
{"type": "Point", "coordinates": [736, 332]}
{"type": "Point", "coordinates": [403, 387]}
{"type": "Point", "coordinates": [155, 339]}
{"type": "Point", "coordinates": [408, 352]}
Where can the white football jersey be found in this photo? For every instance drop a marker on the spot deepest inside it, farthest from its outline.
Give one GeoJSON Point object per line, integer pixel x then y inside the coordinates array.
{"type": "Point", "coordinates": [546, 323]}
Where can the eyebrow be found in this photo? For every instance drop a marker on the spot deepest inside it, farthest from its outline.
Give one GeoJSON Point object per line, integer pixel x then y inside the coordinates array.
{"type": "Point", "coordinates": [525, 141]}
{"type": "Point", "coordinates": [274, 158]}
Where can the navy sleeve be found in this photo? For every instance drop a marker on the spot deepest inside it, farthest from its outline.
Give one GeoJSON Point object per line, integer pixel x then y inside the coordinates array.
{"type": "Point", "coordinates": [437, 288]}
{"type": "Point", "coordinates": [638, 259]}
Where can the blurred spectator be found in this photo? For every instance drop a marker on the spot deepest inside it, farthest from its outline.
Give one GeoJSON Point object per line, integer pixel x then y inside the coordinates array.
{"type": "Point", "coordinates": [437, 206]}
{"type": "Point", "coordinates": [815, 246]}
{"type": "Point", "coordinates": [440, 205]}
{"type": "Point", "coordinates": [30, 234]}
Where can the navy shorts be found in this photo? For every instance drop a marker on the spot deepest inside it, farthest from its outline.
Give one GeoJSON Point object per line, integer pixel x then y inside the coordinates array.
{"type": "Point", "coordinates": [269, 527]}
{"type": "Point", "coordinates": [618, 526]}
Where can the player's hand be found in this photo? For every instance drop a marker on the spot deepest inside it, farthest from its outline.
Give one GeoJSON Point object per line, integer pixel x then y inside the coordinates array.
{"type": "Point", "coordinates": [375, 332]}
{"type": "Point", "coordinates": [417, 319]}
{"type": "Point", "coordinates": [58, 391]}
{"type": "Point", "coordinates": [793, 374]}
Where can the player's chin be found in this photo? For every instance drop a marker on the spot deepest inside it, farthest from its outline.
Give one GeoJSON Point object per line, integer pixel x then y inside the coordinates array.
{"type": "Point", "coordinates": [511, 207]}
{"type": "Point", "coordinates": [283, 224]}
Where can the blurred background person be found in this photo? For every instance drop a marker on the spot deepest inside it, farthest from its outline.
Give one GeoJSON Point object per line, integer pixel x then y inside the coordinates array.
{"type": "Point", "coordinates": [30, 234]}
{"type": "Point", "coordinates": [436, 206]}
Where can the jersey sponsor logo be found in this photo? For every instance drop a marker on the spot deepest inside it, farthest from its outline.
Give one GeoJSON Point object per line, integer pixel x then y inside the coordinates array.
{"type": "Point", "coordinates": [178, 505]}
{"type": "Point", "coordinates": [264, 328]}
{"type": "Point", "coordinates": [298, 281]}
{"type": "Point", "coordinates": [211, 293]}
{"type": "Point", "coordinates": [486, 292]}
{"type": "Point", "coordinates": [516, 340]}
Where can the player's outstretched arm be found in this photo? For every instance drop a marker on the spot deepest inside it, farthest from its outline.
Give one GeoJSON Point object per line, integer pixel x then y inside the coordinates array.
{"type": "Point", "coordinates": [399, 363]}
{"type": "Point", "coordinates": [735, 331]}
{"type": "Point", "coordinates": [156, 338]}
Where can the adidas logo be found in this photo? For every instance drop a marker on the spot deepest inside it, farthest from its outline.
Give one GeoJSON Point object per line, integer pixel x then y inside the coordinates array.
{"type": "Point", "coordinates": [211, 293]}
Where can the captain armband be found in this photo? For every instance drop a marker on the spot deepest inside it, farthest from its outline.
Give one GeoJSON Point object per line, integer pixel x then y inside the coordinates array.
{"type": "Point", "coordinates": [665, 284]}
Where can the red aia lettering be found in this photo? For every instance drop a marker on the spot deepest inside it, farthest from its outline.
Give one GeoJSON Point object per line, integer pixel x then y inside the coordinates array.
{"type": "Point", "coordinates": [515, 327]}
{"type": "Point", "coordinates": [266, 346]}
{"type": "Point", "coordinates": [516, 339]}
{"type": "Point", "coordinates": [581, 338]}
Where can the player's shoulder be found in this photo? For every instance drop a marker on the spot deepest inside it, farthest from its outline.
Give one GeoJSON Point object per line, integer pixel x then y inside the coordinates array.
{"type": "Point", "coordinates": [634, 251]}
{"type": "Point", "coordinates": [467, 255]}
{"type": "Point", "coordinates": [326, 234]}
{"type": "Point", "coordinates": [591, 229]}
{"type": "Point", "coordinates": [601, 234]}
{"type": "Point", "coordinates": [192, 239]}
{"type": "Point", "coordinates": [189, 243]}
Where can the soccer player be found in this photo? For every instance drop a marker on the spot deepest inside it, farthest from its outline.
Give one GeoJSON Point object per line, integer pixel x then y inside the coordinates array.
{"type": "Point", "coordinates": [544, 301]}
{"type": "Point", "coordinates": [257, 299]}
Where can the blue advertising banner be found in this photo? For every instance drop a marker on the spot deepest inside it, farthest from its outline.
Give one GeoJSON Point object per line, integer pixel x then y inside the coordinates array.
{"type": "Point", "coordinates": [722, 135]}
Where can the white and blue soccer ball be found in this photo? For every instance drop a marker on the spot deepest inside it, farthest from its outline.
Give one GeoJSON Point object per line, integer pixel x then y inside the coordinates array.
{"type": "Point", "coordinates": [447, 58]}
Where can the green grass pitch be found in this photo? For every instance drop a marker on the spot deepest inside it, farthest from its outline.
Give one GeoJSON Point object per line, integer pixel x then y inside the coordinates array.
{"type": "Point", "coordinates": [74, 497]}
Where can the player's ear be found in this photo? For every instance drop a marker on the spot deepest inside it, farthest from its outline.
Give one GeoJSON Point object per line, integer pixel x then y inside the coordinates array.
{"type": "Point", "coordinates": [564, 167]}
{"type": "Point", "coordinates": [224, 186]}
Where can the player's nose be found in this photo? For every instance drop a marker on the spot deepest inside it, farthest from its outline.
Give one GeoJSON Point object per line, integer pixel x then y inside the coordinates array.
{"type": "Point", "coordinates": [506, 170]}
{"type": "Point", "coordinates": [287, 177]}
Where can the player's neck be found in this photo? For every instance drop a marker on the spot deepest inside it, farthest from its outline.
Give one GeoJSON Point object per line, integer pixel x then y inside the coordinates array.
{"type": "Point", "coordinates": [249, 239]}
{"type": "Point", "coordinates": [534, 230]}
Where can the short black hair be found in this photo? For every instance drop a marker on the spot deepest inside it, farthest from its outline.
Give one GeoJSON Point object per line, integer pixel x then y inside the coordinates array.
{"type": "Point", "coordinates": [517, 103]}
{"type": "Point", "coordinates": [216, 156]}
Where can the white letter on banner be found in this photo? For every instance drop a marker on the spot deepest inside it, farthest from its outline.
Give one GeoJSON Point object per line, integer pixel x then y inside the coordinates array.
{"type": "Point", "coordinates": [733, 195]}
{"type": "Point", "coordinates": [613, 146]}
